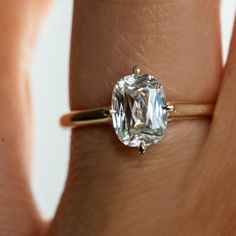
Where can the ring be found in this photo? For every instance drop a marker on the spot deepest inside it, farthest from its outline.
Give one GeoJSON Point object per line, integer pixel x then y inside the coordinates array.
{"type": "Point", "coordinates": [139, 111]}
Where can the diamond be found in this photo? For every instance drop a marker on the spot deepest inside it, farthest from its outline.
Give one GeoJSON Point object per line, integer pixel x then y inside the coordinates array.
{"type": "Point", "coordinates": [139, 110]}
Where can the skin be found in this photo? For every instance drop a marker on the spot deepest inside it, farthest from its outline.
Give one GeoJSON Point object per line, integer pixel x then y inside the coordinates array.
{"type": "Point", "coordinates": [185, 185]}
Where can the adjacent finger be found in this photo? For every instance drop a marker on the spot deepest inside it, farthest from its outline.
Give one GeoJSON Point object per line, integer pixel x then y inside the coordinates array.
{"type": "Point", "coordinates": [18, 23]}
{"type": "Point", "coordinates": [210, 197]}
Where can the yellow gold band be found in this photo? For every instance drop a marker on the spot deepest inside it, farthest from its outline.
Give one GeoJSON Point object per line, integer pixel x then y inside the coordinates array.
{"type": "Point", "coordinates": [176, 111]}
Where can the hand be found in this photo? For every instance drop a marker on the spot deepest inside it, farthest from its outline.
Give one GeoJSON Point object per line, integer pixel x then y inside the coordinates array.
{"type": "Point", "coordinates": [182, 186]}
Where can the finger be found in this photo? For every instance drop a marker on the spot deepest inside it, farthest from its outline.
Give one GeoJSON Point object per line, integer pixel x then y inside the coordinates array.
{"type": "Point", "coordinates": [211, 210]}
{"type": "Point", "coordinates": [110, 189]}
{"type": "Point", "coordinates": [174, 46]}
{"type": "Point", "coordinates": [19, 215]}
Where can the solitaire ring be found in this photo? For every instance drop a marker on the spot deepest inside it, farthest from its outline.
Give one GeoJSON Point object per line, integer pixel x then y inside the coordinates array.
{"type": "Point", "coordinates": [139, 111]}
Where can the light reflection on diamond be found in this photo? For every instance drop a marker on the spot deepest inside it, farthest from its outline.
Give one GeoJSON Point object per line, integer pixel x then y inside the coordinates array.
{"type": "Point", "coordinates": [140, 115]}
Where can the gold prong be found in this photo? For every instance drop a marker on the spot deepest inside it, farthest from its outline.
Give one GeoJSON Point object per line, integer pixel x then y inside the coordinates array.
{"type": "Point", "coordinates": [136, 71]}
{"type": "Point", "coordinates": [170, 107]}
{"type": "Point", "coordinates": [108, 111]}
{"type": "Point", "coordinates": [142, 147]}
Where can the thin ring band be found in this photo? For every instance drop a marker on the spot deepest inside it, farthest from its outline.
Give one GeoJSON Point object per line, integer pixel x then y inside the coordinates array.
{"type": "Point", "coordinates": [176, 111]}
{"type": "Point", "coordinates": [139, 111]}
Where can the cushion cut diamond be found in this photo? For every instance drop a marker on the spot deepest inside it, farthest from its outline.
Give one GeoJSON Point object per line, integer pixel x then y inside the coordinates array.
{"type": "Point", "coordinates": [139, 110]}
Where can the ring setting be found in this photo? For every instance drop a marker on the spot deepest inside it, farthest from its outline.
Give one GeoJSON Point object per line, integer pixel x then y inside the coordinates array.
{"type": "Point", "coordinates": [139, 111]}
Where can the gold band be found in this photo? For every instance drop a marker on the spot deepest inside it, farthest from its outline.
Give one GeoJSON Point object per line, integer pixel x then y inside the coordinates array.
{"type": "Point", "coordinates": [176, 110]}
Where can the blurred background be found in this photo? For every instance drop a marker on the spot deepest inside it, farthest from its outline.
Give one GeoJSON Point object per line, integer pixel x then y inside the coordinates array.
{"type": "Point", "coordinates": [49, 82]}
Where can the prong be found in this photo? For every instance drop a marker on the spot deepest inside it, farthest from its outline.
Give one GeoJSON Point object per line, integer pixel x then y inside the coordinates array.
{"type": "Point", "coordinates": [170, 107]}
{"type": "Point", "coordinates": [142, 147]}
{"type": "Point", "coordinates": [108, 112]}
{"type": "Point", "coordinates": [136, 71]}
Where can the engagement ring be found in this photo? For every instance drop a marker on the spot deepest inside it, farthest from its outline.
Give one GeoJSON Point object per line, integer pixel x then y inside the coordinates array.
{"type": "Point", "coordinates": [139, 111]}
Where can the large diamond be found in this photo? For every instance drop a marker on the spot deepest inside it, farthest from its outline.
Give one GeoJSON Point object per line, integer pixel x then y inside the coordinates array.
{"type": "Point", "coordinates": [139, 110]}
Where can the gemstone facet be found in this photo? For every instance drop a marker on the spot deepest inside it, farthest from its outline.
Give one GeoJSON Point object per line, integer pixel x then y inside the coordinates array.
{"type": "Point", "coordinates": [139, 110]}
